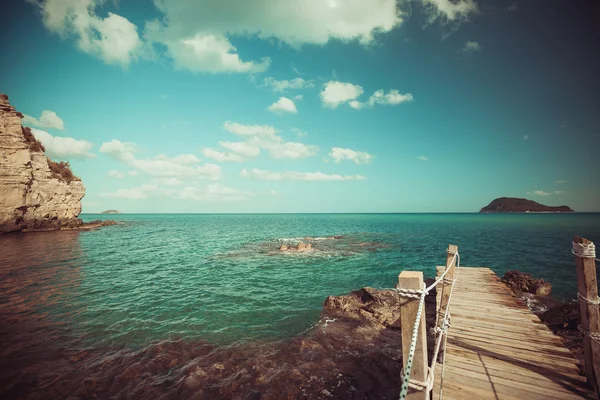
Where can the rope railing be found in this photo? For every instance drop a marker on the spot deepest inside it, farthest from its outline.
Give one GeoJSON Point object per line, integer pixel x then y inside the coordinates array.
{"type": "Point", "coordinates": [441, 330]}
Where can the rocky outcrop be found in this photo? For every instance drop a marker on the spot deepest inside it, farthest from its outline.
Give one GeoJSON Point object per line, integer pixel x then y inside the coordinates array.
{"type": "Point", "coordinates": [513, 204]}
{"type": "Point", "coordinates": [111, 212]}
{"type": "Point", "coordinates": [300, 247]}
{"type": "Point", "coordinates": [35, 192]}
{"type": "Point", "coordinates": [520, 282]}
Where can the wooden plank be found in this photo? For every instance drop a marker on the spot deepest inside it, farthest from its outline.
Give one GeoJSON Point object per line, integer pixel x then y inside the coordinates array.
{"type": "Point", "coordinates": [408, 314]}
{"type": "Point", "coordinates": [550, 389]}
{"type": "Point", "coordinates": [497, 367]}
{"type": "Point", "coordinates": [497, 349]}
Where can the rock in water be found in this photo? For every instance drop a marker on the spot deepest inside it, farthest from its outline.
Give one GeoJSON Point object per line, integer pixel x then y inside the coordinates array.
{"type": "Point", "coordinates": [520, 282]}
{"type": "Point", "coordinates": [35, 192]}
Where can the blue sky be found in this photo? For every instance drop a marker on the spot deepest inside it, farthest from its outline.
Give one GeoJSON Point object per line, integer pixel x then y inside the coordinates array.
{"type": "Point", "coordinates": [332, 106]}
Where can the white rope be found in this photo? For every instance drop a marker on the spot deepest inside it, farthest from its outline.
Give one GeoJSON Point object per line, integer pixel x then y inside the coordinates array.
{"type": "Point", "coordinates": [413, 344]}
{"type": "Point", "coordinates": [584, 250]}
{"type": "Point", "coordinates": [442, 330]}
{"type": "Point", "coordinates": [441, 278]}
{"type": "Point", "coordinates": [595, 336]}
{"type": "Point", "coordinates": [595, 301]}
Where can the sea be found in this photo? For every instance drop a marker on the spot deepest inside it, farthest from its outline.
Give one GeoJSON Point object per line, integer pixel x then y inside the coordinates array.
{"type": "Point", "coordinates": [77, 305]}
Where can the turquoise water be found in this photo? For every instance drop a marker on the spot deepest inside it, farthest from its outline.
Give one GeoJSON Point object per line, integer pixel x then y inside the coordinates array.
{"type": "Point", "coordinates": [221, 277]}
{"type": "Point", "coordinates": [206, 306]}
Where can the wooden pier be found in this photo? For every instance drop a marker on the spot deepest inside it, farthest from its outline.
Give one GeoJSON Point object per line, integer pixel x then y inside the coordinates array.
{"type": "Point", "coordinates": [488, 344]}
{"type": "Point", "coordinates": [498, 349]}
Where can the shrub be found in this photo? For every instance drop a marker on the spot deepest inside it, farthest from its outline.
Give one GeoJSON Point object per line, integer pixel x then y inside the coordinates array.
{"type": "Point", "coordinates": [34, 144]}
{"type": "Point", "coordinates": [62, 171]}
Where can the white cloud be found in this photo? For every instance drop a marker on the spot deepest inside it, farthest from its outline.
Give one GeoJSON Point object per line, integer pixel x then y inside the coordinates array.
{"type": "Point", "coordinates": [557, 192]}
{"type": "Point", "coordinates": [171, 168]}
{"type": "Point", "coordinates": [273, 193]}
{"type": "Point", "coordinates": [116, 174]}
{"type": "Point", "coordinates": [526, 137]}
{"type": "Point", "coordinates": [539, 193]}
{"type": "Point", "coordinates": [121, 151]}
{"type": "Point", "coordinates": [211, 192]}
{"type": "Point", "coordinates": [300, 132]}
{"type": "Point", "coordinates": [244, 149]}
{"type": "Point", "coordinates": [298, 97]}
{"type": "Point", "coordinates": [338, 154]}
{"type": "Point", "coordinates": [292, 150]}
{"type": "Point", "coordinates": [512, 7]}
{"type": "Point", "coordinates": [283, 85]}
{"type": "Point", "coordinates": [63, 148]}
{"type": "Point", "coordinates": [297, 176]}
{"type": "Point", "coordinates": [211, 53]}
{"type": "Point", "coordinates": [168, 181]}
{"type": "Point", "coordinates": [265, 137]}
{"type": "Point", "coordinates": [471, 46]}
{"type": "Point", "coordinates": [423, 158]}
{"type": "Point", "coordinates": [283, 105]}
{"type": "Point", "coordinates": [113, 39]}
{"type": "Point", "coordinates": [197, 33]}
{"type": "Point", "coordinates": [181, 166]}
{"type": "Point", "coordinates": [222, 156]}
{"type": "Point", "coordinates": [181, 159]}
{"type": "Point", "coordinates": [315, 22]}
{"type": "Point", "coordinates": [450, 10]}
{"type": "Point", "coordinates": [121, 175]}
{"type": "Point", "coordinates": [393, 97]}
{"type": "Point", "coordinates": [48, 120]}
{"type": "Point", "coordinates": [250, 131]}
{"type": "Point", "coordinates": [336, 93]}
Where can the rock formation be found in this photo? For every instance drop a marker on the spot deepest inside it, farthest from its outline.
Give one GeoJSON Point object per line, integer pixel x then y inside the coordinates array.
{"type": "Point", "coordinates": [300, 247]}
{"type": "Point", "coordinates": [520, 282]}
{"type": "Point", "coordinates": [111, 212]}
{"type": "Point", "coordinates": [35, 192]}
{"type": "Point", "coordinates": [513, 204]}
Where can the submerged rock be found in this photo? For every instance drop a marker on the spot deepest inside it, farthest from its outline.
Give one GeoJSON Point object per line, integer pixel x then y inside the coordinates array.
{"type": "Point", "coordinates": [300, 247]}
{"type": "Point", "coordinates": [520, 282]}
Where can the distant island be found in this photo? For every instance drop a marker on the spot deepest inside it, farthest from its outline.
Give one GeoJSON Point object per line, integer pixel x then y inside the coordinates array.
{"type": "Point", "coordinates": [111, 212]}
{"type": "Point", "coordinates": [513, 204]}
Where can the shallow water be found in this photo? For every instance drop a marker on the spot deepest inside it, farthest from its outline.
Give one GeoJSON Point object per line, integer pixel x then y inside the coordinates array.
{"type": "Point", "coordinates": [77, 300]}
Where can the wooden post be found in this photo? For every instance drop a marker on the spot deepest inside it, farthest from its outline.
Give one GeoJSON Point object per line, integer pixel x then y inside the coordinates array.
{"type": "Point", "coordinates": [450, 265]}
{"type": "Point", "coordinates": [408, 313]}
{"type": "Point", "coordinates": [587, 286]}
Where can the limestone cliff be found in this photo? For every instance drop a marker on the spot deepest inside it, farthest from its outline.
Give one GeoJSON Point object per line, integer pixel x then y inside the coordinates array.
{"type": "Point", "coordinates": [35, 192]}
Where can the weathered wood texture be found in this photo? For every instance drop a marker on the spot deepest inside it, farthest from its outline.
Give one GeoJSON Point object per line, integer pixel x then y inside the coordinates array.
{"type": "Point", "coordinates": [408, 314]}
{"type": "Point", "coordinates": [497, 349]}
{"type": "Point", "coordinates": [587, 286]}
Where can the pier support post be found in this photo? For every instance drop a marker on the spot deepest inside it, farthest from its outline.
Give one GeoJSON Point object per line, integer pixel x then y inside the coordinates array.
{"type": "Point", "coordinates": [587, 286]}
{"type": "Point", "coordinates": [408, 312]}
{"type": "Point", "coordinates": [445, 295]}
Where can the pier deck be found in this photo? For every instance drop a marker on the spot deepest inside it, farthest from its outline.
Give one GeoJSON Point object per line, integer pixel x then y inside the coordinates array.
{"type": "Point", "coordinates": [498, 349]}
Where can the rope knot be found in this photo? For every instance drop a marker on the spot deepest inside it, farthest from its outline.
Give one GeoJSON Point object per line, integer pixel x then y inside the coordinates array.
{"type": "Point", "coordinates": [584, 250]}
{"type": "Point", "coordinates": [595, 301]}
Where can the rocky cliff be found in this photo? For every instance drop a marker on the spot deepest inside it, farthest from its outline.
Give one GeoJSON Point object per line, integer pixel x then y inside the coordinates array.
{"type": "Point", "coordinates": [35, 192]}
{"type": "Point", "coordinates": [513, 204]}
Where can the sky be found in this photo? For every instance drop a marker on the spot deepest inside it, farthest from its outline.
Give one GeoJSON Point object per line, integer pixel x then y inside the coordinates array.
{"type": "Point", "coordinates": [194, 106]}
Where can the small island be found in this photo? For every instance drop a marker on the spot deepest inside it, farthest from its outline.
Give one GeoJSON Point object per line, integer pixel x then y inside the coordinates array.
{"type": "Point", "coordinates": [513, 204]}
{"type": "Point", "coordinates": [111, 212]}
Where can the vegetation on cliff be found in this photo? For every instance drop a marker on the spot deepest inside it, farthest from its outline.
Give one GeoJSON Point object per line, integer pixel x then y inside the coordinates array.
{"type": "Point", "coordinates": [62, 171]}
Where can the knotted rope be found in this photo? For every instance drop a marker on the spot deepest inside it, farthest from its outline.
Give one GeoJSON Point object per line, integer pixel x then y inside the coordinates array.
{"type": "Point", "coordinates": [595, 336]}
{"type": "Point", "coordinates": [587, 250]}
